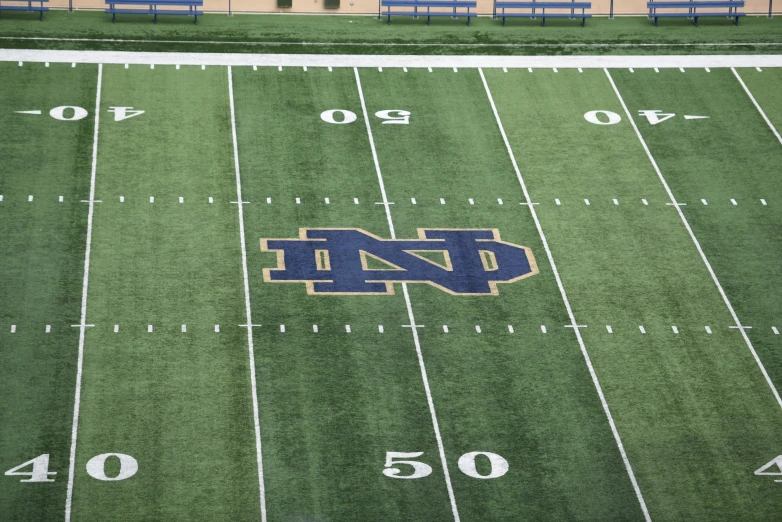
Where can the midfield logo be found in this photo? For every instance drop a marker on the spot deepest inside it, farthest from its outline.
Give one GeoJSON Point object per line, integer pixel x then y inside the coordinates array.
{"type": "Point", "coordinates": [353, 261]}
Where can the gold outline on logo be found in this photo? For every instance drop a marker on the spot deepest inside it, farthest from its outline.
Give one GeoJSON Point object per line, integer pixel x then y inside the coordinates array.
{"type": "Point", "coordinates": [310, 283]}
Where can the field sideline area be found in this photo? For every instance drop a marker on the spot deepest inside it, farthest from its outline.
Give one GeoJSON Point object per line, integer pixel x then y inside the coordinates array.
{"type": "Point", "coordinates": [613, 353]}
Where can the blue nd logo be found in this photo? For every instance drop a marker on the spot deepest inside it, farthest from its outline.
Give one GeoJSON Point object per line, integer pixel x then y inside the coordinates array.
{"type": "Point", "coordinates": [353, 261]}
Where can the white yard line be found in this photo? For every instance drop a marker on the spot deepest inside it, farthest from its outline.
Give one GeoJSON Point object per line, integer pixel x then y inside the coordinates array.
{"type": "Point", "coordinates": [83, 319]}
{"type": "Point", "coordinates": [249, 324]}
{"type": "Point", "coordinates": [565, 300]}
{"type": "Point", "coordinates": [678, 208]}
{"type": "Point", "coordinates": [410, 315]}
{"type": "Point", "coordinates": [757, 106]}
{"type": "Point", "coordinates": [389, 61]}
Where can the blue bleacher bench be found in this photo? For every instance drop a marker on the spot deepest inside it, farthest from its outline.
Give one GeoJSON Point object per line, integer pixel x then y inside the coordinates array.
{"type": "Point", "coordinates": [542, 9]}
{"type": "Point", "coordinates": [428, 4]}
{"type": "Point", "coordinates": [729, 9]}
{"type": "Point", "coordinates": [192, 8]}
{"type": "Point", "coordinates": [14, 6]}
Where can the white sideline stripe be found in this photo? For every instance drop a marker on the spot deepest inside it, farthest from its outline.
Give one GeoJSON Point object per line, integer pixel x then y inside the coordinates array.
{"type": "Point", "coordinates": [698, 245]}
{"type": "Point", "coordinates": [83, 320]}
{"type": "Point", "coordinates": [757, 106]}
{"type": "Point", "coordinates": [250, 348]}
{"type": "Point", "coordinates": [410, 315]}
{"type": "Point", "coordinates": [428, 61]}
{"type": "Point", "coordinates": [566, 302]}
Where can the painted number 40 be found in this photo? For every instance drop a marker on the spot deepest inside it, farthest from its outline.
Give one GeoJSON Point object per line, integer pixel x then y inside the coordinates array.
{"type": "Point", "coordinates": [38, 468]}
{"type": "Point", "coordinates": [498, 465]}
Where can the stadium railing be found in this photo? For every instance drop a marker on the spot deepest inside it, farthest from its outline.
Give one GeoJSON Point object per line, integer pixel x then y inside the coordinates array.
{"type": "Point", "coordinates": [14, 6]}
{"type": "Point", "coordinates": [694, 12]}
{"type": "Point", "coordinates": [542, 10]}
{"type": "Point", "coordinates": [153, 10]}
{"type": "Point", "coordinates": [429, 4]}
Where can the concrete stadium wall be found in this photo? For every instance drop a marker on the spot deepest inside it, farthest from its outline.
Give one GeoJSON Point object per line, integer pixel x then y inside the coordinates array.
{"type": "Point", "coordinates": [347, 7]}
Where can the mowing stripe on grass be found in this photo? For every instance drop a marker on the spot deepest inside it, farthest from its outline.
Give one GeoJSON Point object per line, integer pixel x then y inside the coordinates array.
{"type": "Point", "coordinates": [738, 324]}
{"type": "Point", "coordinates": [413, 327]}
{"type": "Point", "coordinates": [83, 319]}
{"type": "Point", "coordinates": [757, 106]}
{"type": "Point", "coordinates": [253, 384]}
{"type": "Point", "coordinates": [574, 323]}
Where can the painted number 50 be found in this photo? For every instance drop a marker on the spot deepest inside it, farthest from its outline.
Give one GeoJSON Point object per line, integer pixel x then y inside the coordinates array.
{"type": "Point", "coordinates": [498, 466]}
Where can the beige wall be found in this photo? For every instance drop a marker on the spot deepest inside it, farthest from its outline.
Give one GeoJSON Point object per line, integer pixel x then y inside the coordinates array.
{"type": "Point", "coordinates": [599, 7]}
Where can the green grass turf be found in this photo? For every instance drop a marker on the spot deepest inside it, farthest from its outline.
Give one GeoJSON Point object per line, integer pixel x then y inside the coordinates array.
{"type": "Point", "coordinates": [42, 265]}
{"type": "Point", "coordinates": [367, 35]}
{"type": "Point", "coordinates": [694, 413]}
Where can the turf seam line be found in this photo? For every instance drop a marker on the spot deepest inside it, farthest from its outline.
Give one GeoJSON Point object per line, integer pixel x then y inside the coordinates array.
{"type": "Point", "coordinates": [686, 223]}
{"type": "Point", "coordinates": [409, 306]}
{"type": "Point", "coordinates": [757, 106]}
{"type": "Point", "coordinates": [566, 302]}
{"type": "Point", "coordinates": [83, 320]}
{"type": "Point", "coordinates": [248, 310]}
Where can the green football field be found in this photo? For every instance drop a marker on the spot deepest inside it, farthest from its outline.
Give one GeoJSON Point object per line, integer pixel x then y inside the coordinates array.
{"type": "Point", "coordinates": [150, 369]}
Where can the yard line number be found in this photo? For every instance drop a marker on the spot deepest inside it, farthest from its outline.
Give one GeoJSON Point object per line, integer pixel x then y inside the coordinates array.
{"type": "Point", "coordinates": [343, 117]}
{"type": "Point", "coordinates": [74, 113]}
{"type": "Point", "coordinates": [96, 468]}
{"type": "Point", "coordinates": [498, 465]}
